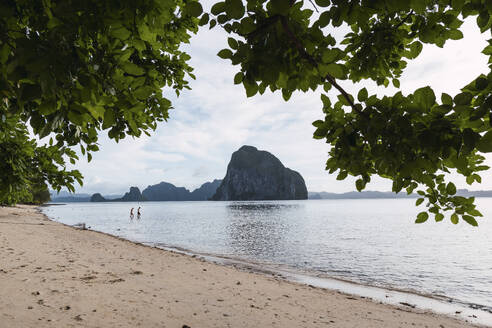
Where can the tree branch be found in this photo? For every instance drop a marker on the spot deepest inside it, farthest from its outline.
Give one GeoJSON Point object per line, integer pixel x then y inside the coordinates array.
{"type": "Point", "coordinates": [314, 5]}
{"type": "Point", "coordinates": [404, 19]}
{"type": "Point", "coordinates": [313, 62]}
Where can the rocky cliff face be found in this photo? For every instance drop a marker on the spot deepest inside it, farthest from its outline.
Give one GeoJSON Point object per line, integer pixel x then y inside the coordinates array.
{"type": "Point", "coordinates": [258, 175]}
{"type": "Point", "coordinates": [133, 195]}
{"type": "Point", "coordinates": [206, 191]}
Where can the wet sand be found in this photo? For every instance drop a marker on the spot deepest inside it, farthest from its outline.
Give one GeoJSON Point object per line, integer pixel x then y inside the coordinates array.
{"type": "Point", "coordinates": [52, 275]}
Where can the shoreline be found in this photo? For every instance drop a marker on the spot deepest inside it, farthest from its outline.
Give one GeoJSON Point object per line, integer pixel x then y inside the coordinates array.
{"type": "Point", "coordinates": [216, 295]}
{"type": "Point", "coordinates": [439, 304]}
{"type": "Point", "coordinates": [410, 299]}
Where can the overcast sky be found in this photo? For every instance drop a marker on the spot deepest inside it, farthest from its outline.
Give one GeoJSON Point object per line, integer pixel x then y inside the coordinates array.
{"type": "Point", "coordinates": [215, 118]}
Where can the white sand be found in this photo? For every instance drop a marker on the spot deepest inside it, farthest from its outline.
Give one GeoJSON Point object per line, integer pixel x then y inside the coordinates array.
{"type": "Point", "coordinates": [53, 275]}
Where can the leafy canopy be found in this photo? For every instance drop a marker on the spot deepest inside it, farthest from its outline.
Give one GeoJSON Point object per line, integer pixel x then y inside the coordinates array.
{"type": "Point", "coordinates": [26, 167]}
{"type": "Point", "coordinates": [74, 68]}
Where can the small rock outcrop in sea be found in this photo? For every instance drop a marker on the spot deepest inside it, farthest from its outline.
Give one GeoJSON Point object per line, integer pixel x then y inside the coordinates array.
{"type": "Point", "coordinates": [254, 174]}
{"type": "Point", "coordinates": [97, 198]}
{"type": "Point", "coordinates": [133, 195]}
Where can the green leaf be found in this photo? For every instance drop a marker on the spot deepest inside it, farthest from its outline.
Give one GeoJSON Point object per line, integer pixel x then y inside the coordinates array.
{"type": "Point", "coordinates": [457, 4]}
{"type": "Point", "coordinates": [454, 218]}
{"type": "Point", "coordinates": [75, 118]}
{"type": "Point", "coordinates": [323, 3]}
{"type": "Point", "coordinates": [485, 143]}
{"type": "Point", "coordinates": [143, 92]}
{"type": "Point", "coordinates": [481, 83]}
{"type": "Point", "coordinates": [451, 189]}
{"type": "Point", "coordinates": [425, 98]}
{"type": "Point", "coordinates": [47, 107]}
{"type": "Point", "coordinates": [422, 217]}
{"type": "Point", "coordinates": [251, 88]}
{"type": "Point", "coordinates": [96, 111]}
{"type": "Point", "coordinates": [360, 184]}
{"type": "Point", "coordinates": [463, 98]}
{"type": "Point", "coordinates": [204, 19]}
{"type": "Point", "coordinates": [362, 95]}
{"type": "Point", "coordinates": [419, 201]}
{"type": "Point", "coordinates": [475, 212]}
{"type": "Point", "coordinates": [326, 101]}
{"type": "Point", "coordinates": [342, 175]}
{"type": "Point", "coordinates": [238, 78]}
{"type": "Point", "coordinates": [121, 33]}
{"type": "Point", "coordinates": [193, 8]}
{"type": "Point", "coordinates": [415, 49]}
{"type": "Point", "coordinates": [455, 34]}
{"type": "Point", "coordinates": [232, 43]}
{"type": "Point", "coordinates": [344, 100]}
{"type": "Point", "coordinates": [247, 25]}
{"type": "Point", "coordinates": [225, 53]}
{"type": "Point", "coordinates": [439, 217]}
{"type": "Point", "coordinates": [4, 53]}
{"type": "Point", "coordinates": [446, 99]}
{"type": "Point", "coordinates": [470, 220]}
{"type": "Point", "coordinates": [483, 20]}
{"type": "Point", "coordinates": [335, 70]}
{"type": "Point", "coordinates": [132, 69]}
{"type": "Point", "coordinates": [109, 119]}
{"type": "Point", "coordinates": [217, 8]}
{"type": "Point", "coordinates": [324, 19]}
{"type": "Point", "coordinates": [331, 55]}
{"type": "Point", "coordinates": [279, 7]}
{"type": "Point", "coordinates": [234, 8]}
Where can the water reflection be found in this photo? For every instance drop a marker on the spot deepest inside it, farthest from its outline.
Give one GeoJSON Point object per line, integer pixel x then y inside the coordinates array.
{"type": "Point", "coordinates": [260, 207]}
{"type": "Point", "coordinates": [260, 230]}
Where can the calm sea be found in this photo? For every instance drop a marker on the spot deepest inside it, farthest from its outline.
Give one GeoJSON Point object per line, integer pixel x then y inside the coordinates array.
{"type": "Point", "coordinates": [372, 242]}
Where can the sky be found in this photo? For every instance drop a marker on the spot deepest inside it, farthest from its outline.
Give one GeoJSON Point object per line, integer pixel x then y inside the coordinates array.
{"type": "Point", "coordinates": [215, 118]}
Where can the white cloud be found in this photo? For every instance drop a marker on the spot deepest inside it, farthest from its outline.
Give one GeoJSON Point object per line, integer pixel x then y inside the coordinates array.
{"type": "Point", "coordinates": [215, 118]}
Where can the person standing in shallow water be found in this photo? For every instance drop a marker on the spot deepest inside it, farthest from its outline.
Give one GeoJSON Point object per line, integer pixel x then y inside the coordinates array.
{"type": "Point", "coordinates": [131, 214]}
{"type": "Point", "coordinates": [138, 213]}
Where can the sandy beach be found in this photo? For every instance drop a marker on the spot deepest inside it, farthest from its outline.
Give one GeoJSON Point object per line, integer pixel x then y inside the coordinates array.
{"type": "Point", "coordinates": [52, 275]}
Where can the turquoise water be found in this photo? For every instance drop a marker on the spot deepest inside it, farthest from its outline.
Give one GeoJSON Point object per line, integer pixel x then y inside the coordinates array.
{"type": "Point", "coordinates": [373, 242]}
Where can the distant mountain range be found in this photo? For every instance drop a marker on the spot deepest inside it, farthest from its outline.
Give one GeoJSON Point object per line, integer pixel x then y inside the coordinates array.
{"type": "Point", "coordinates": [388, 194]}
{"type": "Point", "coordinates": [358, 195]}
{"type": "Point", "coordinates": [168, 192]}
{"type": "Point", "coordinates": [66, 197]}
{"type": "Point", "coordinates": [163, 191]}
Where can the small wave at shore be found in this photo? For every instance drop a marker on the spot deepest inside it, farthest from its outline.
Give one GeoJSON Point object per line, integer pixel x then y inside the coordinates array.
{"type": "Point", "coordinates": [476, 313]}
